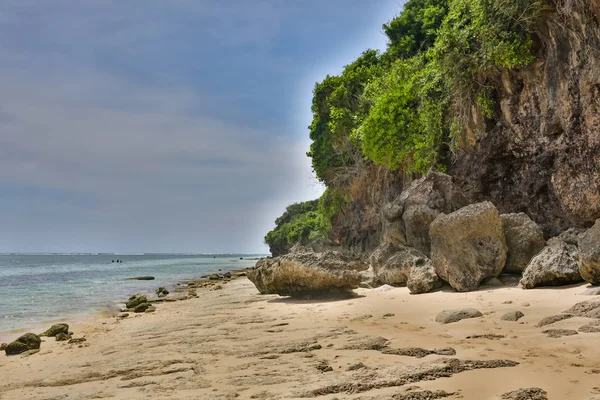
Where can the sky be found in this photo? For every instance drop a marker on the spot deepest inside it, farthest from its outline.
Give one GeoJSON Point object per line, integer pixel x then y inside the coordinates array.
{"type": "Point", "coordinates": [164, 126]}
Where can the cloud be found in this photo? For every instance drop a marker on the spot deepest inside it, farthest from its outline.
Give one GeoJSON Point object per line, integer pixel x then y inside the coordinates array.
{"type": "Point", "coordinates": [160, 126]}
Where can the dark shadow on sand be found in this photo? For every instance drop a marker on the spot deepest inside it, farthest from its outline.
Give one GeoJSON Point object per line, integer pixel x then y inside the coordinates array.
{"type": "Point", "coordinates": [317, 298]}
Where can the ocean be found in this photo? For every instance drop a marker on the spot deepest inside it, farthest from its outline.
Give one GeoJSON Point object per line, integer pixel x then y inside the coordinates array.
{"type": "Point", "coordinates": [38, 289]}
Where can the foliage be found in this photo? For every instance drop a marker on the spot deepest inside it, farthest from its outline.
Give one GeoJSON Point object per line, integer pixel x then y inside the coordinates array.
{"type": "Point", "coordinates": [415, 29]}
{"type": "Point", "coordinates": [337, 110]}
{"type": "Point", "coordinates": [300, 223]}
{"type": "Point", "coordinates": [404, 109]}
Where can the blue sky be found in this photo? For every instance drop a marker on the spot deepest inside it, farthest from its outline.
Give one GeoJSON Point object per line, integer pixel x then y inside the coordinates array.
{"type": "Point", "coordinates": [163, 126]}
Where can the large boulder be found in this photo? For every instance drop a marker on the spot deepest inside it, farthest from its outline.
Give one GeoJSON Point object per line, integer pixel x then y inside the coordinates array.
{"type": "Point", "coordinates": [524, 238]}
{"type": "Point", "coordinates": [56, 329]}
{"type": "Point", "coordinates": [307, 273]}
{"type": "Point", "coordinates": [468, 246]}
{"type": "Point", "coordinates": [397, 268]}
{"type": "Point", "coordinates": [557, 264]}
{"type": "Point", "coordinates": [589, 254]}
{"type": "Point", "coordinates": [28, 341]}
{"type": "Point", "coordinates": [410, 215]}
{"type": "Point", "coordinates": [423, 279]}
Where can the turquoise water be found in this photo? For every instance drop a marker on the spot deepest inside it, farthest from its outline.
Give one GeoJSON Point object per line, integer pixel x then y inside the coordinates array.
{"type": "Point", "coordinates": [39, 288]}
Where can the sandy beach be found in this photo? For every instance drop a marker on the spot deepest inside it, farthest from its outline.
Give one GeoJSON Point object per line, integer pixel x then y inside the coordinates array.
{"type": "Point", "coordinates": [236, 343]}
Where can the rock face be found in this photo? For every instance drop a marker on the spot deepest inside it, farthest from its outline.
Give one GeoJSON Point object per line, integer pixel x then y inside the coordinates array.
{"type": "Point", "coordinates": [418, 206]}
{"type": "Point", "coordinates": [307, 273]}
{"type": "Point", "coordinates": [589, 254]}
{"type": "Point", "coordinates": [393, 264]}
{"type": "Point", "coordinates": [451, 316]}
{"type": "Point", "coordinates": [468, 246]}
{"type": "Point", "coordinates": [27, 342]}
{"type": "Point", "coordinates": [557, 264]}
{"type": "Point", "coordinates": [524, 238]}
{"type": "Point", "coordinates": [540, 151]}
{"type": "Point", "coordinates": [56, 329]}
{"type": "Point", "coordinates": [423, 279]}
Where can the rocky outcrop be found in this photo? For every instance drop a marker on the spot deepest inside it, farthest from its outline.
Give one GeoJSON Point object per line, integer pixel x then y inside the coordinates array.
{"type": "Point", "coordinates": [468, 246]}
{"type": "Point", "coordinates": [423, 279]}
{"type": "Point", "coordinates": [540, 151]}
{"type": "Point", "coordinates": [161, 292]}
{"type": "Point", "coordinates": [557, 264]}
{"type": "Point", "coordinates": [28, 341]}
{"type": "Point", "coordinates": [526, 394]}
{"type": "Point", "coordinates": [589, 254]}
{"type": "Point", "coordinates": [307, 273]}
{"type": "Point", "coordinates": [524, 238]}
{"type": "Point", "coordinates": [416, 208]}
{"type": "Point", "coordinates": [56, 329]}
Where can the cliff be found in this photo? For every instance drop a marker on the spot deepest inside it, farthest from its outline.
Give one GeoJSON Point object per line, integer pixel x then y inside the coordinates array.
{"type": "Point", "coordinates": [502, 96]}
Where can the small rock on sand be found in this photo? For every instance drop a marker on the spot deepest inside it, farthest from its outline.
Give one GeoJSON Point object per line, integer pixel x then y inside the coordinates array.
{"type": "Point", "coordinates": [451, 316]}
{"type": "Point", "coordinates": [512, 316]}
{"type": "Point", "coordinates": [3, 346]}
{"type": "Point", "coordinates": [123, 315]}
{"type": "Point", "coordinates": [525, 304]}
{"type": "Point", "coordinates": [62, 337]}
{"type": "Point", "coordinates": [323, 366]}
{"type": "Point", "coordinates": [507, 302]}
{"type": "Point", "coordinates": [355, 367]}
{"type": "Point", "coordinates": [526, 394]}
{"type": "Point", "coordinates": [592, 291]}
{"type": "Point", "coordinates": [56, 329]}
{"type": "Point", "coordinates": [552, 319]}
{"type": "Point", "coordinates": [76, 341]}
{"type": "Point", "coordinates": [557, 333]}
{"type": "Point", "coordinates": [592, 327]}
{"type": "Point", "coordinates": [370, 343]}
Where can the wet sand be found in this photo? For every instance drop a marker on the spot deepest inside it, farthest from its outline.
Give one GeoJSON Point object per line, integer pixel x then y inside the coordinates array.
{"type": "Point", "coordinates": [236, 344]}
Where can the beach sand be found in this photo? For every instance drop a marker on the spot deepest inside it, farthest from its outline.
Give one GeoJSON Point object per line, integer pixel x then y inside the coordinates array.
{"type": "Point", "coordinates": [237, 344]}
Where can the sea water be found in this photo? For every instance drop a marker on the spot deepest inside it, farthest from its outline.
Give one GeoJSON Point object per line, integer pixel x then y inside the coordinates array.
{"type": "Point", "coordinates": [35, 289]}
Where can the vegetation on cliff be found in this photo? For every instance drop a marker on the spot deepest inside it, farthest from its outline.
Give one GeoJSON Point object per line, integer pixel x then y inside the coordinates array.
{"type": "Point", "coordinates": [410, 108]}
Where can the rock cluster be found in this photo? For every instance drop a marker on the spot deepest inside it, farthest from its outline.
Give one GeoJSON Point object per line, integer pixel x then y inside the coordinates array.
{"type": "Point", "coordinates": [431, 236]}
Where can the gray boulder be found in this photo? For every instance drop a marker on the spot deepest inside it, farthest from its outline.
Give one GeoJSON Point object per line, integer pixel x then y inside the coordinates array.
{"type": "Point", "coordinates": [414, 210]}
{"type": "Point", "coordinates": [307, 273]}
{"type": "Point", "coordinates": [571, 236]}
{"type": "Point", "coordinates": [589, 254]}
{"type": "Point", "coordinates": [468, 246]}
{"type": "Point", "coordinates": [556, 265]}
{"type": "Point", "coordinates": [417, 219]}
{"type": "Point", "coordinates": [524, 238]}
{"type": "Point", "coordinates": [423, 279]}
{"type": "Point", "coordinates": [451, 316]}
{"type": "Point", "coordinates": [396, 269]}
